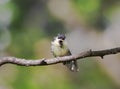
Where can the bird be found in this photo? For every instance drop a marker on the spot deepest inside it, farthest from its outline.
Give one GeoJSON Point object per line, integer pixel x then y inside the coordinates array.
{"type": "Point", "coordinates": [59, 48]}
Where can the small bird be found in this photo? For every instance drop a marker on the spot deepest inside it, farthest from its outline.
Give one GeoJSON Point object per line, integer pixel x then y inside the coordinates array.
{"type": "Point", "coordinates": [59, 48]}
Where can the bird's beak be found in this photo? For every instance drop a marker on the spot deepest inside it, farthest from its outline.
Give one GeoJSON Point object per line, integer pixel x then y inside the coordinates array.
{"type": "Point", "coordinates": [61, 43]}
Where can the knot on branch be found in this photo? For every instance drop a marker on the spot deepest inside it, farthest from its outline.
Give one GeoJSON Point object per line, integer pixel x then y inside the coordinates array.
{"type": "Point", "coordinates": [43, 62]}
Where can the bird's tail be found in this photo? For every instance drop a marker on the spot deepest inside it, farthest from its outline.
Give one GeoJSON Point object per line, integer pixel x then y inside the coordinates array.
{"type": "Point", "coordinates": [72, 65]}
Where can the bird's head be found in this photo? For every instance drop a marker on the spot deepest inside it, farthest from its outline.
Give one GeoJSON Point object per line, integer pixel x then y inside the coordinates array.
{"type": "Point", "coordinates": [59, 39]}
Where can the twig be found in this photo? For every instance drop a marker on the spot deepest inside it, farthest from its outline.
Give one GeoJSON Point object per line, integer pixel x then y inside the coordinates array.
{"type": "Point", "coordinates": [41, 62]}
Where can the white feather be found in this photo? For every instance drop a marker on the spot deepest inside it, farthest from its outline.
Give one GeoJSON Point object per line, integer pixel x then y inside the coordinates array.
{"type": "Point", "coordinates": [57, 50]}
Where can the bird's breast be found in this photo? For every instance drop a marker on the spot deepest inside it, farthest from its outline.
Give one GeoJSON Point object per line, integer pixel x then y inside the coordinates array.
{"type": "Point", "coordinates": [58, 51]}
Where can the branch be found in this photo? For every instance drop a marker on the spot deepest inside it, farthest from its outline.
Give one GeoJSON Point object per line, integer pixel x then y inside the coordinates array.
{"type": "Point", "coordinates": [41, 62]}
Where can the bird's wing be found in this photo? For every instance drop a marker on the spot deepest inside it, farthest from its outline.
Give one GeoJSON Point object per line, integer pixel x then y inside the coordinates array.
{"type": "Point", "coordinates": [69, 53]}
{"type": "Point", "coordinates": [72, 65]}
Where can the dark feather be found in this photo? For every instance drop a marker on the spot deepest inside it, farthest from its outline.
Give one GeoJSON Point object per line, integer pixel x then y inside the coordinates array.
{"type": "Point", "coordinates": [61, 36]}
{"type": "Point", "coordinates": [72, 65]}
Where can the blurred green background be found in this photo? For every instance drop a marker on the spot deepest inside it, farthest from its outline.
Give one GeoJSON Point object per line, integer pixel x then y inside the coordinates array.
{"type": "Point", "coordinates": [28, 26]}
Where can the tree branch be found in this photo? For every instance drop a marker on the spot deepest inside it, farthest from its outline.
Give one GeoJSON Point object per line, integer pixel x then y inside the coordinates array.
{"type": "Point", "coordinates": [41, 62]}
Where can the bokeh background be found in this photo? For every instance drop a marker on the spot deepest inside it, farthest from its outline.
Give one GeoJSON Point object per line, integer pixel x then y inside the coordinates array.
{"type": "Point", "coordinates": [28, 26]}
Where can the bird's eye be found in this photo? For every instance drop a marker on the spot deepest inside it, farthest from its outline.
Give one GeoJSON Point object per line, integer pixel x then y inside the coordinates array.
{"type": "Point", "coordinates": [63, 38]}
